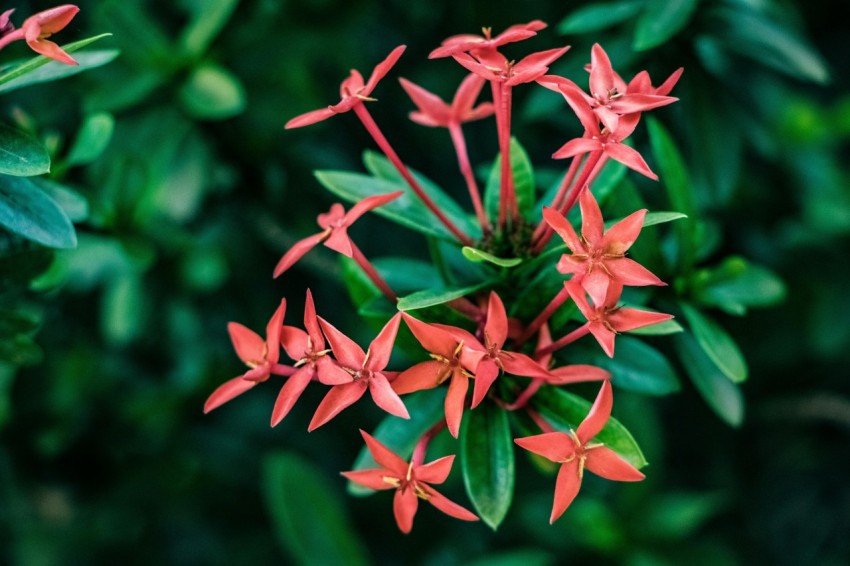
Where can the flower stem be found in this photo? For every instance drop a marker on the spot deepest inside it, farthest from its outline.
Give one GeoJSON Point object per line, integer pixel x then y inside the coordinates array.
{"type": "Point", "coordinates": [545, 315]}
{"type": "Point", "coordinates": [378, 136]}
{"type": "Point", "coordinates": [372, 273]}
{"type": "Point", "coordinates": [567, 182]}
{"type": "Point", "coordinates": [526, 395]}
{"type": "Point", "coordinates": [564, 340]}
{"type": "Point", "coordinates": [539, 420]}
{"type": "Point", "coordinates": [502, 100]}
{"type": "Point", "coordinates": [466, 169]}
{"type": "Point", "coordinates": [422, 446]}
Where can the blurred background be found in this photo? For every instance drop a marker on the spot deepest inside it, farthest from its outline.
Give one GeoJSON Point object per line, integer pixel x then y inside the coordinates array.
{"type": "Point", "coordinates": [108, 351]}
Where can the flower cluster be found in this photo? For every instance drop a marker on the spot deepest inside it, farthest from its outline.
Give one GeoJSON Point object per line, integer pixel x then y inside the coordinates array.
{"type": "Point", "coordinates": [491, 335]}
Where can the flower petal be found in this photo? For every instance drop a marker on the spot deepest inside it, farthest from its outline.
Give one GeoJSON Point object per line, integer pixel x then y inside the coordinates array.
{"type": "Point", "coordinates": [606, 463]}
{"type": "Point", "coordinates": [424, 375]}
{"type": "Point", "coordinates": [405, 504]}
{"type": "Point", "coordinates": [596, 284]}
{"type": "Point", "coordinates": [601, 73]}
{"type": "Point", "coordinates": [465, 97]}
{"type": "Point", "coordinates": [554, 446]}
{"type": "Point", "coordinates": [433, 339]}
{"type": "Point", "coordinates": [630, 158]}
{"type": "Point", "coordinates": [290, 392]}
{"type": "Point", "coordinates": [577, 146]}
{"type": "Point", "coordinates": [447, 506]}
{"type": "Point", "coordinates": [338, 398]}
{"type": "Point", "coordinates": [373, 479]}
{"type": "Point", "coordinates": [496, 328]}
{"type": "Point", "coordinates": [348, 353]}
{"type": "Point", "coordinates": [368, 204]}
{"type": "Point", "coordinates": [309, 118]}
{"type": "Point", "coordinates": [385, 397]}
{"type": "Point", "coordinates": [577, 373]}
{"type": "Point", "coordinates": [604, 336]}
{"type": "Point", "coordinates": [227, 391]}
{"type": "Point", "coordinates": [599, 414]}
{"type": "Point", "coordinates": [592, 225]}
{"type": "Point", "coordinates": [381, 69]}
{"type": "Point", "coordinates": [298, 250]}
{"type": "Point", "coordinates": [381, 347]}
{"type": "Point", "coordinates": [330, 373]}
{"type": "Point", "coordinates": [384, 456]}
{"type": "Point", "coordinates": [623, 234]}
{"type": "Point", "coordinates": [436, 471]}
{"type": "Point", "coordinates": [273, 330]}
{"type": "Point", "coordinates": [430, 105]}
{"type": "Point", "coordinates": [49, 49]}
{"type": "Point", "coordinates": [249, 346]}
{"type": "Point", "coordinates": [629, 272]}
{"type": "Point", "coordinates": [567, 486]}
{"type": "Point", "coordinates": [311, 323]}
{"type": "Point", "coordinates": [455, 399]}
{"type": "Point", "coordinates": [559, 223]}
{"type": "Point", "coordinates": [294, 342]}
{"type": "Point", "coordinates": [626, 319]}
{"type": "Point", "coordinates": [485, 374]}
{"type": "Point", "coordinates": [339, 241]}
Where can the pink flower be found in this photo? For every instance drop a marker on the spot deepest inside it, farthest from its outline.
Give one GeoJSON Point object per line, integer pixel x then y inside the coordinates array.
{"type": "Point", "coordinates": [494, 66]}
{"type": "Point", "coordinates": [599, 257]}
{"type": "Point", "coordinates": [259, 355]}
{"type": "Point", "coordinates": [575, 452]}
{"type": "Point", "coordinates": [334, 235]}
{"type": "Point", "coordinates": [605, 320]}
{"type": "Point", "coordinates": [641, 83]}
{"type": "Point", "coordinates": [353, 91]}
{"type": "Point", "coordinates": [467, 42]}
{"type": "Point", "coordinates": [411, 482]}
{"type": "Point", "coordinates": [365, 371]}
{"type": "Point", "coordinates": [37, 28]}
{"type": "Point", "coordinates": [436, 113]}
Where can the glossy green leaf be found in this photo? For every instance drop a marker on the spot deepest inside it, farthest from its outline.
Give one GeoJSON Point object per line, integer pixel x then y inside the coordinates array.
{"type": "Point", "coordinates": [599, 16]}
{"type": "Point", "coordinates": [636, 366]}
{"type": "Point", "coordinates": [307, 513]}
{"type": "Point", "coordinates": [92, 139]}
{"type": "Point", "coordinates": [652, 218]}
{"type": "Point", "coordinates": [20, 154]}
{"type": "Point", "coordinates": [662, 20]}
{"type": "Point", "coordinates": [736, 285]}
{"type": "Point", "coordinates": [717, 344]}
{"type": "Point", "coordinates": [487, 461]}
{"type": "Point", "coordinates": [437, 296]}
{"type": "Point", "coordinates": [722, 395]}
{"type": "Point", "coordinates": [208, 19]}
{"type": "Point", "coordinates": [523, 172]}
{"type": "Point", "coordinates": [26, 210]}
{"type": "Point", "coordinates": [75, 205]}
{"type": "Point", "coordinates": [212, 93]}
{"type": "Point", "coordinates": [674, 175]}
{"type": "Point", "coordinates": [476, 255]}
{"type": "Point", "coordinates": [42, 69]}
{"type": "Point", "coordinates": [565, 411]}
{"type": "Point", "coordinates": [399, 435]}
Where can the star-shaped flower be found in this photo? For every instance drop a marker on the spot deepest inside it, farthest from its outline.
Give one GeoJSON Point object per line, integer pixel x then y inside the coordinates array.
{"type": "Point", "coordinates": [464, 43]}
{"type": "Point", "coordinates": [259, 355]}
{"type": "Point", "coordinates": [37, 28]}
{"type": "Point", "coordinates": [334, 234]}
{"type": "Point", "coordinates": [365, 370]}
{"type": "Point", "coordinates": [411, 482]}
{"type": "Point", "coordinates": [494, 66]}
{"type": "Point", "coordinates": [352, 91]}
{"type": "Point", "coordinates": [436, 113]}
{"type": "Point", "coordinates": [599, 257]}
{"type": "Point", "coordinates": [575, 452]}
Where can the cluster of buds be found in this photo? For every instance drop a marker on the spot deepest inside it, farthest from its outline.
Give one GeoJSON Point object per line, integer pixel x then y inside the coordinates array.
{"type": "Point", "coordinates": [37, 28]}
{"type": "Point", "coordinates": [490, 348]}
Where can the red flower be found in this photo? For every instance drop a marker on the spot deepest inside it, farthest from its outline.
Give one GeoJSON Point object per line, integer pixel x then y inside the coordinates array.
{"type": "Point", "coordinates": [365, 371]}
{"type": "Point", "coordinates": [575, 452]}
{"type": "Point", "coordinates": [353, 91]}
{"type": "Point", "coordinates": [467, 42]}
{"type": "Point", "coordinates": [259, 355]}
{"type": "Point", "coordinates": [494, 66]}
{"type": "Point", "coordinates": [599, 257]}
{"type": "Point", "coordinates": [445, 348]}
{"type": "Point", "coordinates": [334, 235]}
{"type": "Point", "coordinates": [606, 319]}
{"type": "Point", "coordinates": [411, 482]}
{"type": "Point", "coordinates": [37, 28]}
{"type": "Point", "coordinates": [642, 84]}
{"type": "Point", "coordinates": [436, 113]}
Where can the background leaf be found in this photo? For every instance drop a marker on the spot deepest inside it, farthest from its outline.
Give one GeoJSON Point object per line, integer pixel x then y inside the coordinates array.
{"type": "Point", "coordinates": [661, 20]}
{"type": "Point", "coordinates": [20, 154]}
{"type": "Point", "coordinates": [717, 344]}
{"type": "Point", "coordinates": [523, 172]}
{"type": "Point", "coordinates": [27, 211]}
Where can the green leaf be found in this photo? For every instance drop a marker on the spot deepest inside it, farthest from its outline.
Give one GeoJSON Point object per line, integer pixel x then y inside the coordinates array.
{"type": "Point", "coordinates": [674, 175]}
{"type": "Point", "coordinates": [20, 154]}
{"type": "Point", "coordinates": [723, 396]}
{"type": "Point", "coordinates": [596, 17]}
{"type": "Point", "coordinates": [660, 21]}
{"type": "Point", "coordinates": [637, 366]}
{"type": "Point", "coordinates": [70, 201]}
{"type": "Point", "coordinates": [25, 73]}
{"type": "Point", "coordinates": [735, 285]}
{"type": "Point", "coordinates": [92, 139]}
{"type": "Point", "coordinates": [476, 255]}
{"type": "Point", "coordinates": [437, 296]}
{"type": "Point", "coordinates": [609, 178]}
{"type": "Point", "coordinates": [27, 211]}
{"type": "Point", "coordinates": [406, 210]}
{"type": "Point", "coordinates": [212, 93]}
{"type": "Point", "coordinates": [717, 344]}
{"type": "Point", "coordinates": [523, 182]}
{"type": "Point", "coordinates": [399, 435]}
{"type": "Point", "coordinates": [487, 461]}
{"type": "Point", "coordinates": [663, 328]}
{"type": "Point", "coordinates": [566, 411]}
{"type": "Point", "coordinates": [208, 19]}
{"type": "Point", "coordinates": [652, 218]}
{"type": "Point", "coordinates": [307, 514]}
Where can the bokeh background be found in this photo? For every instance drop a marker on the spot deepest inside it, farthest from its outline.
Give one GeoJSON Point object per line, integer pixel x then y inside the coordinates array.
{"type": "Point", "coordinates": [105, 454]}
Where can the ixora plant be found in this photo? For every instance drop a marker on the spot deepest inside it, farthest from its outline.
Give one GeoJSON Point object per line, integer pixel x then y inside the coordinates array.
{"type": "Point", "coordinates": [502, 309]}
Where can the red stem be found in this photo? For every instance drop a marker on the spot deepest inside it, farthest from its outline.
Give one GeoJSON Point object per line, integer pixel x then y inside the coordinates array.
{"type": "Point", "coordinates": [466, 307]}
{"type": "Point", "coordinates": [564, 340]}
{"type": "Point", "coordinates": [539, 420]}
{"type": "Point", "coordinates": [422, 446]}
{"type": "Point", "coordinates": [466, 169]}
{"type": "Point", "coordinates": [375, 132]}
{"type": "Point", "coordinates": [526, 395]}
{"type": "Point", "coordinates": [544, 316]}
{"type": "Point", "coordinates": [372, 273]}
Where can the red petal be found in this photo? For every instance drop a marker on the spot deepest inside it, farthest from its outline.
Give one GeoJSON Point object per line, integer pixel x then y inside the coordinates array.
{"type": "Point", "coordinates": [485, 374]}
{"type": "Point", "coordinates": [433, 339]}
{"type": "Point", "coordinates": [436, 471]}
{"type": "Point", "coordinates": [339, 242]}
{"type": "Point", "coordinates": [337, 399]}
{"type": "Point", "coordinates": [373, 479]}
{"type": "Point", "coordinates": [630, 103]}
{"type": "Point", "coordinates": [466, 95]}
{"type": "Point", "coordinates": [447, 506]}
{"type": "Point", "coordinates": [518, 32]}
{"type": "Point", "coordinates": [604, 336]}
{"type": "Point", "coordinates": [249, 346]}
{"type": "Point", "coordinates": [309, 118]}
{"type": "Point", "coordinates": [592, 225]}
{"type": "Point", "coordinates": [473, 66]}
{"type": "Point", "coordinates": [554, 446]}
{"type": "Point", "coordinates": [290, 392]}
{"type": "Point", "coordinates": [382, 346]}
{"type": "Point", "coordinates": [596, 284]}
{"type": "Point", "coordinates": [330, 373]}
{"type": "Point", "coordinates": [405, 504]}
{"type": "Point", "coordinates": [520, 364]}
{"type": "Point", "coordinates": [671, 81]}
{"type": "Point", "coordinates": [577, 100]}
{"type": "Point", "coordinates": [49, 49]}
{"type": "Point", "coordinates": [628, 319]}
{"type": "Point", "coordinates": [577, 373]}
{"type": "Point", "coordinates": [294, 342]}
{"type": "Point", "coordinates": [227, 391]}
{"type": "Point", "coordinates": [567, 486]}
{"type": "Point", "coordinates": [385, 397]}
{"type": "Point", "coordinates": [297, 251]}
{"type": "Point", "coordinates": [629, 272]}
{"type": "Point", "coordinates": [382, 69]}
{"type": "Point", "coordinates": [346, 351]}
{"type": "Point", "coordinates": [455, 399]}
{"type": "Point", "coordinates": [609, 118]}
{"type": "Point", "coordinates": [640, 84]}
{"type": "Point", "coordinates": [496, 328]}
{"type": "Point", "coordinates": [577, 146]}
{"type": "Point", "coordinates": [311, 323]}
{"type": "Point", "coordinates": [599, 414]}
{"type": "Point", "coordinates": [534, 66]}
{"type": "Point", "coordinates": [630, 158]}
{"type": "Point", "coordinates": [559, 223]}
{"type": "Point", "coordinates": [384, 456]}
{"type": "Point", "coordinates": [368, 204]}
{"type": "Point", "coordinates": [429, 104]}
{"type": "Point", "coordinates": [601, 73]}
{"type": "Point", "coordinates": [424, 375]}
{"type": "Point", "coordinates": [273, 330]}
{"type": "Point", "coordinates": [578, 295]}
{"type": "Point", "coordinates": [606, 463]}
{"type": "Point", "coordinates": [623, 234]}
